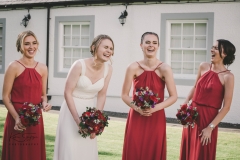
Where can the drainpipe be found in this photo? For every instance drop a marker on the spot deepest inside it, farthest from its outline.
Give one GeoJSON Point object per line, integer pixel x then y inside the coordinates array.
{"type": "Point", "coordinates": [47, 48]}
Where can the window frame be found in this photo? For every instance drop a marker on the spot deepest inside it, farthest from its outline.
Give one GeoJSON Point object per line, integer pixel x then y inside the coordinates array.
{"type": "Point", "coordinates": [3, 22]}
{"type": "Point", "coordinates": [60, 20]}
{"type": "Point", "coordinates": [165, 18]}
{"type": "Point", "coordinates": [61, 43]}
{"type": "Point", "coordinates": [169, 48]}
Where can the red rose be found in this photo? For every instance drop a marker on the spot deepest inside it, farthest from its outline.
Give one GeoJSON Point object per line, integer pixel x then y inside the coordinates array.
{"type": "Point", "coordinates": [139, 104]}
{"type": "Point", "coordinates": [192, 112]}
{"type": "Point", "coordinates": [146, 98]}
{"type": "Point", "coordinates": [25, 121]}
{"type": "Point", "coordinates": [153, 98]}
{"type": "Point", "coordinates": [137, 100]}
{"type": "Point", "coordinates": [189, 119]}
{"type": "Point", "coordinates": [101, 117]}
{"type": "Point", "coordinates": [96, 128]}
{"type": "Point", "coordinates": [184, 107]}
{"type": "Point", "coordinates": [86, 114]}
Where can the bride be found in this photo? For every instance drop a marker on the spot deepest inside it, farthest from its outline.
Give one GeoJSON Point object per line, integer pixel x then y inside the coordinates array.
{"type": "Point", "coordinates": [86, 78]}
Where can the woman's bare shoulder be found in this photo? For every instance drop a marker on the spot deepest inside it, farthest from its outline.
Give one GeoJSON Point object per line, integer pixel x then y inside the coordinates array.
{"type": "Point", "coordinates": [133, 66]}
{"type": "Point", "coordinates": [14, 65]}
{"type": "Point", "coordinates": [205, 66]}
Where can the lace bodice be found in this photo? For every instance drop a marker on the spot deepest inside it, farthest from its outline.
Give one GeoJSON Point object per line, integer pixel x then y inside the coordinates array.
{"type": "Point", "coordinates": [85, 89]}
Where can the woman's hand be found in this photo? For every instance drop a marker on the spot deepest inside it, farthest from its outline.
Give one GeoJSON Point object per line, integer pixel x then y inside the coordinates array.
{"type": "Point", "coordinates": [92, 135]}
{"type": "Point", "coordinates": [46, 106]}
{"type": "Point", "coordinates": [18, 125]}
{"type": "Point", "coordinates": [82, 131]}
{"type": "Point", "coordinates": [144, 112]}
{"type": "Point", "coordinates": [206, 136]}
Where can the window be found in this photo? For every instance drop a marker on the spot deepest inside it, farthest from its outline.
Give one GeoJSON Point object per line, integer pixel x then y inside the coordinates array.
{"type": "Point", "coordinates": [75, 43]}
{"type": "Point", "coordinates": [2, 44]}
{"type": "Point", "coordinates": [186, 40]}
{"type": "Point", "coordinates": [74, 39]}
{"type": "Point", "coordinates": [187, 47]}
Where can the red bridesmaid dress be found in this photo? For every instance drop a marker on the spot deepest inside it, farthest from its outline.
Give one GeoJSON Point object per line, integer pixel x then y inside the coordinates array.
{"type": "Point", "coordinates": [208, 97]}
{"type": "Point", "coordinates": [145, 137]}
{"type": "Point", "coordinates": [30, 144]}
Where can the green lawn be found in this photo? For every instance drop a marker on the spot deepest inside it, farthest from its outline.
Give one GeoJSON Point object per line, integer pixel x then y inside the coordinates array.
{"type": "Point", "coordinates": [111, 141]}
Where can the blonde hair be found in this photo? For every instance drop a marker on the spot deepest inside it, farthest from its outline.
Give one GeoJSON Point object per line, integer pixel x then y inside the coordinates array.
{"type": "Point", "coordinates": [21, 37]}
{"type": "Point", "coordinates": [96, 42]}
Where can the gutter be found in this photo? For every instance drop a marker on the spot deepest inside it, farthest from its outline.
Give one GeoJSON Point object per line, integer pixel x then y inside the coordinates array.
{"type": "Point", "coordinates": [47, 47]}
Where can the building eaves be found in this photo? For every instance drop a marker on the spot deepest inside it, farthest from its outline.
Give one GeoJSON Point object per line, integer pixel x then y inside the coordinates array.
{"type": "Point", "coordinates": [14, 4]}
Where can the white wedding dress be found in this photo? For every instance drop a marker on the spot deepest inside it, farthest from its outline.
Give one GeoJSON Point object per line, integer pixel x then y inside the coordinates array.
{"type": "Point", "coordinates": [69, 144]}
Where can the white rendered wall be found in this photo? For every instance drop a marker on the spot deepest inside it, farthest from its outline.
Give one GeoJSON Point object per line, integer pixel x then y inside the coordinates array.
{"type": "Point", "coordinates": [144, 18]}
{"type": "Point", "coordinates": [37, 24]}
{"type": "Point", "coordinates": [141, 18]}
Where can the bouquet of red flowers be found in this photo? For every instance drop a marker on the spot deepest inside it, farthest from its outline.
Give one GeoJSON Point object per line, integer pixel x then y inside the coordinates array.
{"type": "Point", "coordinates": [93, 121]}
{"type": "Point", "coordinates": [145, 98]}
{"type": "Point", "coordinates": [30, 114]}
{"type": "Point", "coordinates": [187, 115]}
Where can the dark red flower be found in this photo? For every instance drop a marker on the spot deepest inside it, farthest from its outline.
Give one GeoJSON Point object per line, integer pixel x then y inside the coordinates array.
{"type": "Point", "coordinates": [86, 114]}
{"type": "Point", "coordinates": [153, 98]}
{"type": "Point", "coordinates": [184, 107]}
{"type": "Point", "coordinates": [93, 121]}
{"type": "Point", "coordinates": [25, 121]}
{"type": "Point", "coordinates": [187, 115]}
{"type": "Point", "coordinates": [101, 117]}
{"type": "Point", "coordinates": [189, 119]}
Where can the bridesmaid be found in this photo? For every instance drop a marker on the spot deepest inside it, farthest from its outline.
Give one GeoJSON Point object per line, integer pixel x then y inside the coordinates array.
{"type": "Point", "coordinates": [24, 81]}
{"type": "Point", "coordinates": [145, 135]}
{"type": "Point", "coordinates": [214, 85]}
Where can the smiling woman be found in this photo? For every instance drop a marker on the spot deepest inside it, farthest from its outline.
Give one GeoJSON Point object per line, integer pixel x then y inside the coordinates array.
{"type": "Point", "coordinates": [86, 78]}
{"type": "Point", "coordinates": [25, 81]}
{"type": "Point", "coordinates": [212, 96]}
{"type": "Point", "coordinates": [145, 135]}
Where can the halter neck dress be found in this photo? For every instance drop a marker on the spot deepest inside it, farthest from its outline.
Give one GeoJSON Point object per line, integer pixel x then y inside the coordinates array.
{"type": "Point", "coordinates": [145, 137]}
{"type": "Point", "coordinates": [29, 144]}
{"type": "Point", "coordinates": [208, 97]}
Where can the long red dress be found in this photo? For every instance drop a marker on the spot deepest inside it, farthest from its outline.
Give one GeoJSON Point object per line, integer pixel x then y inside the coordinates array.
{"type": "Point", "coordinates": [208, 97]}
{"type": "Point", "coordinates": [29, 145]}
{"type": "Point", "coordinates": [145, 137]}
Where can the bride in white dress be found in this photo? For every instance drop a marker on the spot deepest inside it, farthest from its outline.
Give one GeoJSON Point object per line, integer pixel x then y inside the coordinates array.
{"type": "Point", "coordinates": [86, 78]}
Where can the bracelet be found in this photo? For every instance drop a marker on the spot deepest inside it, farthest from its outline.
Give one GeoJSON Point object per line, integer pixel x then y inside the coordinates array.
{"type": "Point", "coordinates": [212, 126]}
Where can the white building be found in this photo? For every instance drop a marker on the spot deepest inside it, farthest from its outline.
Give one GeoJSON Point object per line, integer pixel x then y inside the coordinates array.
{"type": "Point", "coordinates": [65, 29]}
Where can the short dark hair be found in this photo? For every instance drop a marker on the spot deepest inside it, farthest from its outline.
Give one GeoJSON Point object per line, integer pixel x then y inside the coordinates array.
{"type": "Point", "coordinates": [227, 48]}
{"type": "Point", "coordinates": [147, 33]}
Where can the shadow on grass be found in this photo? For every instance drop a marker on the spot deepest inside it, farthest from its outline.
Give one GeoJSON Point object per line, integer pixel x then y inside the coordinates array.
{"type": "Point", "coordinates": [104, 153]}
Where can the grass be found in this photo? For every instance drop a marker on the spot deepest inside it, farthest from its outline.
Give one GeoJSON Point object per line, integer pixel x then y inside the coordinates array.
{"type": "Point", "coordinates": [111, 141]}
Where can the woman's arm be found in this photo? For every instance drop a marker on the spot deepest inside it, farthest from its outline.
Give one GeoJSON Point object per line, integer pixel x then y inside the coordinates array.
{"type": "Point", "coordinates": [71, 82]}
{"type": "Point", "coordinates": [45, 104]}
{"type": "Point", "coordinates": [130, 73]}
{"type": "Point", "coordinates": [9, 78]}
{"type": "Point", "coordinates": [171, 87]}
{"type": "Point", "coordinates": [228, 94]}
{"type": "Point", "coordinates": [101, 97]}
